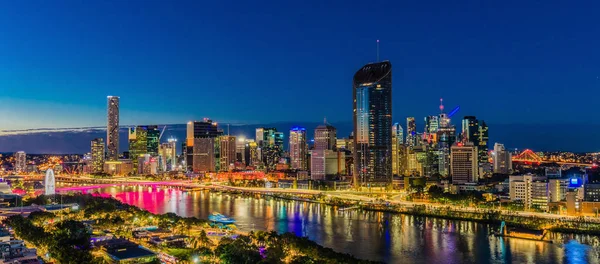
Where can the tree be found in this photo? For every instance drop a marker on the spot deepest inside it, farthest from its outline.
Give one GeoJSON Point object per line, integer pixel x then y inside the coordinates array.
{"type": "Point", "coordinates": [238, 251]}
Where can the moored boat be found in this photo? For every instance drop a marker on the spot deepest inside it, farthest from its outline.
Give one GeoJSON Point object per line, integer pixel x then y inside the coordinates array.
{"type": "Point", "coordinates": [219, 218]}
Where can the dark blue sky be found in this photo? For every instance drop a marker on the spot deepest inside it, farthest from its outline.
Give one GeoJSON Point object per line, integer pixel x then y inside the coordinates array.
{"type": "Point", "coordinates": [266, 61]}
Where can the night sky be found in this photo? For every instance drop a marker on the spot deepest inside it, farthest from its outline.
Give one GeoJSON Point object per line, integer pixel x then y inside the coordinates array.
{"type": "Point", "coordinates": [507, 62]}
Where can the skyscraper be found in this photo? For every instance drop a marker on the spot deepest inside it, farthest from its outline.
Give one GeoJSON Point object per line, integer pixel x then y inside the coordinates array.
{"type": "Point", "coordinates": [397, 149]}
{"type": "Point", "coordinates": [270, 144]}
{"type": "Point", "coordinates": [431, 124]}
{"type": "Point", "coordinates": [463, 163]}
{"type": "Point", "coordinates": [470, 129]}
{"type": "Point", "coordinates": [411, 132]}
{"type": "Point", "coordinates": [112, 128]}
{"type": "Point", "coordinates": [325, 137]}
{"type": "Point", "coordinates": [298, 148]}
{"type": "Point", "coordinates": [20, 162]}
{"type": "Point", "coordinates": [228, 152]}
{"type": "Point", "coordinates": [372, 94]}
{"type": "Point", "coordinates": [143, 140]}
{"type": "Point", "coordinates": [97, 152]}
{"type": "Point", "coordinates": [199, 129]}
{"type": "Point", "coordinates": [203, 159]}
{"type": "Point", "coordinates": [168, 155]}
{"type": "Point", "coordinates": [482, 143]}
{"type": "Point", "coordinates": [502, 159]}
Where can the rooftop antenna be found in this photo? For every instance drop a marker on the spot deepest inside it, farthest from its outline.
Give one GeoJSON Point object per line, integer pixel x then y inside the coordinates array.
{"type": "Point", "coordinates": [442, 105]}
{"type": "Point", "coordinates": [325, 120]}
{"type": "Point", "coordinates": [228, 129]}
{"type": "Point", "coordinates": [377, 50]}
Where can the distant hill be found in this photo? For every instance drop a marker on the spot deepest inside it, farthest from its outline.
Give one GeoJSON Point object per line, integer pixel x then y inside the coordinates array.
{"type": "Point", "coordinates": [566, 137]}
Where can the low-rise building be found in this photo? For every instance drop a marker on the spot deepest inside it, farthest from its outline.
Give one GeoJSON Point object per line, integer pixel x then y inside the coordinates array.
{"type": "Point", "coordinates": [531, 190]}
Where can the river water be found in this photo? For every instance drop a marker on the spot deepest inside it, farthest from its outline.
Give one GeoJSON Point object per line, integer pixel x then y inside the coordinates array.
{"type": "Point", "coordinates": [391, 238]}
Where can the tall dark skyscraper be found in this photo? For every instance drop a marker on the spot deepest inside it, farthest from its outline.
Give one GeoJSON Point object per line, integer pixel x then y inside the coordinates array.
{"type": "Point", "coordinates": [411, 132]}
{"type": "Point", "coordinates": [372, 93]}
{"type": "Point", "coordinates": [470, 129]}
{"type": "Point", "coordinates": [112, 128]}
{"type": "Point", "coordinates": [197, 130]}
{"type": "Point", "coordinates": [482, 143]}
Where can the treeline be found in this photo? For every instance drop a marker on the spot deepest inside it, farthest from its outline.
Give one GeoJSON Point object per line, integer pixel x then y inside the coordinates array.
{"type": "Point", "coordinates": [66, 242]}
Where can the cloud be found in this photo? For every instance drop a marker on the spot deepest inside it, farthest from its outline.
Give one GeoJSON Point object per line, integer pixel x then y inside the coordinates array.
{"type": "Point", "coordinates": [17, 132]}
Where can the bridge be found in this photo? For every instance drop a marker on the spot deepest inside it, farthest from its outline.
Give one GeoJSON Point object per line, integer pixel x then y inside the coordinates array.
{"type": "Point", "coordinates": [530, 157]}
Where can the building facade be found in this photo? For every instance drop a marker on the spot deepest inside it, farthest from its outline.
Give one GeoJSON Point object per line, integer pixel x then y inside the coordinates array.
{"type": "Point", "coordinates": [20, 162]}
{"type": "Point", "coordinates": [228, 152]}
{"type": "Point", "coordinates": [463, 163]}
{"type": "Point", "coordinates": [325, 137]}
{"type": "Point", "coordinates": [411, 132]}
{"type": "Point", "coordinates": [112, 128]}
{"type": "Point", "coordinates": [372, 94]}
{"type": "Point", "coordinates": [168, 155]}
{"type": "Point", "coordinates": [398, 150]}
{"type": "Point", "coordinates": [97, 155]}
{"type": "Point", "coordinates": [298, 148]}
{"type": "Point", "coordinates": [502, 159]}
{"type": "Point", "coordinates": [201, 130]}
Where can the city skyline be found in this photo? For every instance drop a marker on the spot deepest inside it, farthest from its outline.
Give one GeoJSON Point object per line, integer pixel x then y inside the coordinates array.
{"type": "Point", "coordinates": [457, 59]}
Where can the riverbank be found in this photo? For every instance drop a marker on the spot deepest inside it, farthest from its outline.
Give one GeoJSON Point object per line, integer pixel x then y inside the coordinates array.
{"type": "Point", "coordinates": [565, 225]}
{"type": "Point", "coordinates": [103, 216]}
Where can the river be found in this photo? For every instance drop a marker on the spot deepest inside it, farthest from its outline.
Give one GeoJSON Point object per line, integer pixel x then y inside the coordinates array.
{"type": "Point", "coordinates": [391, 238]}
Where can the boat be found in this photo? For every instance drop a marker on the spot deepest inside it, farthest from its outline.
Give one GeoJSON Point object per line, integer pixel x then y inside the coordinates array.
{"type": "Point", "coordinates": [521, 233]}
{"type": "Point", "coordinates": [219, 218]}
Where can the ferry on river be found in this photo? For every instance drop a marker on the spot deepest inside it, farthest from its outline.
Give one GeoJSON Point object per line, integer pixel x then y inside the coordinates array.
{"type": "Point", "coordinates": [219, 218]}
{"type": "Point", "coordinates": [536, 235]}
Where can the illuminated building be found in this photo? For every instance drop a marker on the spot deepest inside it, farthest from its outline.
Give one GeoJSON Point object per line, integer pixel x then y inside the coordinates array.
{"type": "Point", "coordinates": [326, 162]}
{"type": "Point", "coordinates": [147, 165]}
{"type": "Point", "coordinates": [270, 146]}
{"type": "Point", "coordinates": [20, 162]}
{"type": "Point", "coordinates": [557, 189]}
{"type": "Point", "coordinates": [325, 137]}
{"type": "Point", "coordinates": [168, 155]}
{"type": "Point", "coordinates": [228, 152]}
{"type": "Point", "coordinates": [200, 129]}
{"type": "Point", "coordinates": [97, 155]}
{"type": "Point", "coordinates": [112, 129]}
{"type": "Point", "coordinates": [529, 189]}
{"type": "Point", "coordinates": [482, 144]}
{"type": "Point", "coordinates": [397, 149]}
{"type": "Point", "coordinates": [143, 140]}
{"type": "Point", "coordinates": [446, 138]}
{"type": "Point", "coordinates": [372, 94]}
{"type": "Point", "coordinates": [118, 167]}
{"type": "Point", "coordinates": [240, 151]}
{"type": "Point", "coordinates": [298, 148]}
{"type": "Point", "coordinates": [470, 129]}
{"type": "Point", "coordinates": [411, 131]}
{"type": "Point", "coordinates": [252, 151]}
{"type": "Point", "coordinates": [431, 124]}
{"type": "Point", "coordinates": [502, 159]}
{"type": "Point", "coordinates": [463, 163]}
{"type": "Point", "coordinates": [204, 155]}
{"type": "Point", "coordinates": [345, 144]}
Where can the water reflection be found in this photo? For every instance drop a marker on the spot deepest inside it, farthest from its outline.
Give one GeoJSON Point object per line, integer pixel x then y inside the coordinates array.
{"type": "Point", "coordinates": [391, 238]}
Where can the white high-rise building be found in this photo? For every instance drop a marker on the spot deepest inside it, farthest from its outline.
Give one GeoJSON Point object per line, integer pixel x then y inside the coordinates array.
{"type": "Point", "coordinates": [298, 148]}
{"type": "Point", "coordinates": [502, 159]}
{"type": "Point", "coordinates": [112, 128]}
{"type": "Point", "coordinates": [20, 162]}
{"type": "Point", "coordinates": [168, 155]}
{"type": "Point", "coordinates": [398, 149]}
